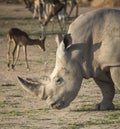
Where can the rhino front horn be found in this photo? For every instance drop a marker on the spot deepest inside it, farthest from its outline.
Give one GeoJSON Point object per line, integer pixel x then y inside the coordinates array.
{"type": "Point", "coordinates": [31, 86]}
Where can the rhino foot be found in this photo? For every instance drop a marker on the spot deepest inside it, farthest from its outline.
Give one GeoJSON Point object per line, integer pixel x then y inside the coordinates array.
{"type": "Point", "coordinates": [102, 106]}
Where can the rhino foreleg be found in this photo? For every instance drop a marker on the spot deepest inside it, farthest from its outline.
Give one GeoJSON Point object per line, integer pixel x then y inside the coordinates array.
{"type": "Point", "coordinates": [108, 92]}
{"type": "Point", "coordinates": [115, 75]}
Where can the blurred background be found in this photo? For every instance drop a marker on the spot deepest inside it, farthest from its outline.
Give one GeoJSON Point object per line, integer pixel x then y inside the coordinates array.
{"type": "Point", "coordinates": [91, 3]}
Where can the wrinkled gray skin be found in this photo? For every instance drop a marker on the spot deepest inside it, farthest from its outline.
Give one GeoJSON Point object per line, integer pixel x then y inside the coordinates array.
{"type": "Point", "coordinates": [91, 49]}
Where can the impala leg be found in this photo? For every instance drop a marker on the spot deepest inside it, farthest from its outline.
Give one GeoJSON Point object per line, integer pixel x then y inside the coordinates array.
{"type": "Point", "coordinates": [60, 24]}
{"type": "Point", "coordinates": [44, 12]}
{"type": "Point", "coordinates": [25, 53]}
{"type": "Point", "coordinates": [40, 11]}
{"type": "Point", "coordinates": [77, 10]}
{"type": "Point", "coordinates": [17, 55]}
{"type": "Point", "coordinates": [13, 56]}
{"type": "Point", "coordinates": [71, 9]}
{"type": "Point", "coordinates": [8, 54]}
{"type": "Point", "coordinates": [35, 10]}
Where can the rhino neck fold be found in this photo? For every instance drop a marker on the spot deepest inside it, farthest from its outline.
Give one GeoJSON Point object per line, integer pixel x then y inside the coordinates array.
{"type": "Point", "coordinates": [87, 71]}
{"type": "Point", "coordinates": [84, 62]}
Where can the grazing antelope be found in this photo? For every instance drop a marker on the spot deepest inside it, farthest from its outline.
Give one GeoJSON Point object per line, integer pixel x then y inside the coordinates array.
{"type": "Point", "coordinates": [37, 7]}
{"type": "Point", "coordinates": [57, 6]}
{"type": "Point", "coordinates": [20, 38]}
{"type": "Point", "coordinates": [46, 10]}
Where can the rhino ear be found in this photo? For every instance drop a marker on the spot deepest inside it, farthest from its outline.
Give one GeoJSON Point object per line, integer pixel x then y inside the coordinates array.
{"type": "Point", "coordinates": [67, 40]}
{"type": "Point", "coordinates": [32, 87]}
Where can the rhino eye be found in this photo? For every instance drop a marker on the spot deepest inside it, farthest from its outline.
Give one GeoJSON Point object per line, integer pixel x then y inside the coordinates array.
{"type": "Point", "coordinates": [59, 81]}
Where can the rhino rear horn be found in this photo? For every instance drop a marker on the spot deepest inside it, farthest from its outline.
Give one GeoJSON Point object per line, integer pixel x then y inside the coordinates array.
{"type": "Point", "coordinates": [30, 86]}
{"type": "Point", "coordinates": [58, 39]}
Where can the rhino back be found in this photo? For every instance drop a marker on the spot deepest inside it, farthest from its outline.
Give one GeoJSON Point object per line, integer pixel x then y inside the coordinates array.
{"type": "Point", "coordinates": [95, 23]}
{"type": "Point", "coordinates": [99, 31]}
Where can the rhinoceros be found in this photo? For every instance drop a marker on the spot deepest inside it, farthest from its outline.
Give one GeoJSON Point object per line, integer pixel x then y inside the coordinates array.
{"type": "Point", "coordinates": [90, 49]}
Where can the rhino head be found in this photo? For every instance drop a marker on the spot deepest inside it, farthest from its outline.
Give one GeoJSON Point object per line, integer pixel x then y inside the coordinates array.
{"type": "Point", "coordinates": [63, 84]}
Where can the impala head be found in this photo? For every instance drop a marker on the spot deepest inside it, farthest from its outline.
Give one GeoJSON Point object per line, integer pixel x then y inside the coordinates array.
{"type": "Point", "coordinates": [42, 42]}
{"type": "Point", "coordinates": [63, 84]}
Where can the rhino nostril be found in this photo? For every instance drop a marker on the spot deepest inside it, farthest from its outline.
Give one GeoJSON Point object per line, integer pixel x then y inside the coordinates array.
{"type": "Point", "coordinates": [57, 105]}
{"type": "Point", "coordinates": [54, 105]}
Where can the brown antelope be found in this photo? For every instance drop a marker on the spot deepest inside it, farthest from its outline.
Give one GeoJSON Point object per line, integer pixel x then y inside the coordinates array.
{"type": "Point", "coordinates": [21, 38]}
{"type": "Point", "coordinates": [47, 10]}
{"type": "Point", "coordinates": [57, 6]}
{"type": "Point", "coordinates": [36, 7]}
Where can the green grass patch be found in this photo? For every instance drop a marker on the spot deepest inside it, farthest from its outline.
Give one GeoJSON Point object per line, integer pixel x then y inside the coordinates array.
{"type": "Point", "coordinates": [92, 123]}
{"type": "Point", "coordinates": [11, 113]}
{"type": "Point", "coordinates": [4, 104]}
{"type": "Point", "coordinates": [113, 116]}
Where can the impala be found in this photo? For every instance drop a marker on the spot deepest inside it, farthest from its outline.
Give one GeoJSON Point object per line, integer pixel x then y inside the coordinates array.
{"type": "Point", "coordinates": [21, 38]}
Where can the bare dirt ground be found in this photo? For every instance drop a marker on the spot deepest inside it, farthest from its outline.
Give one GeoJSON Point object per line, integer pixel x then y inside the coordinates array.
{"type": "Point", "coordinates": [19, 110]}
